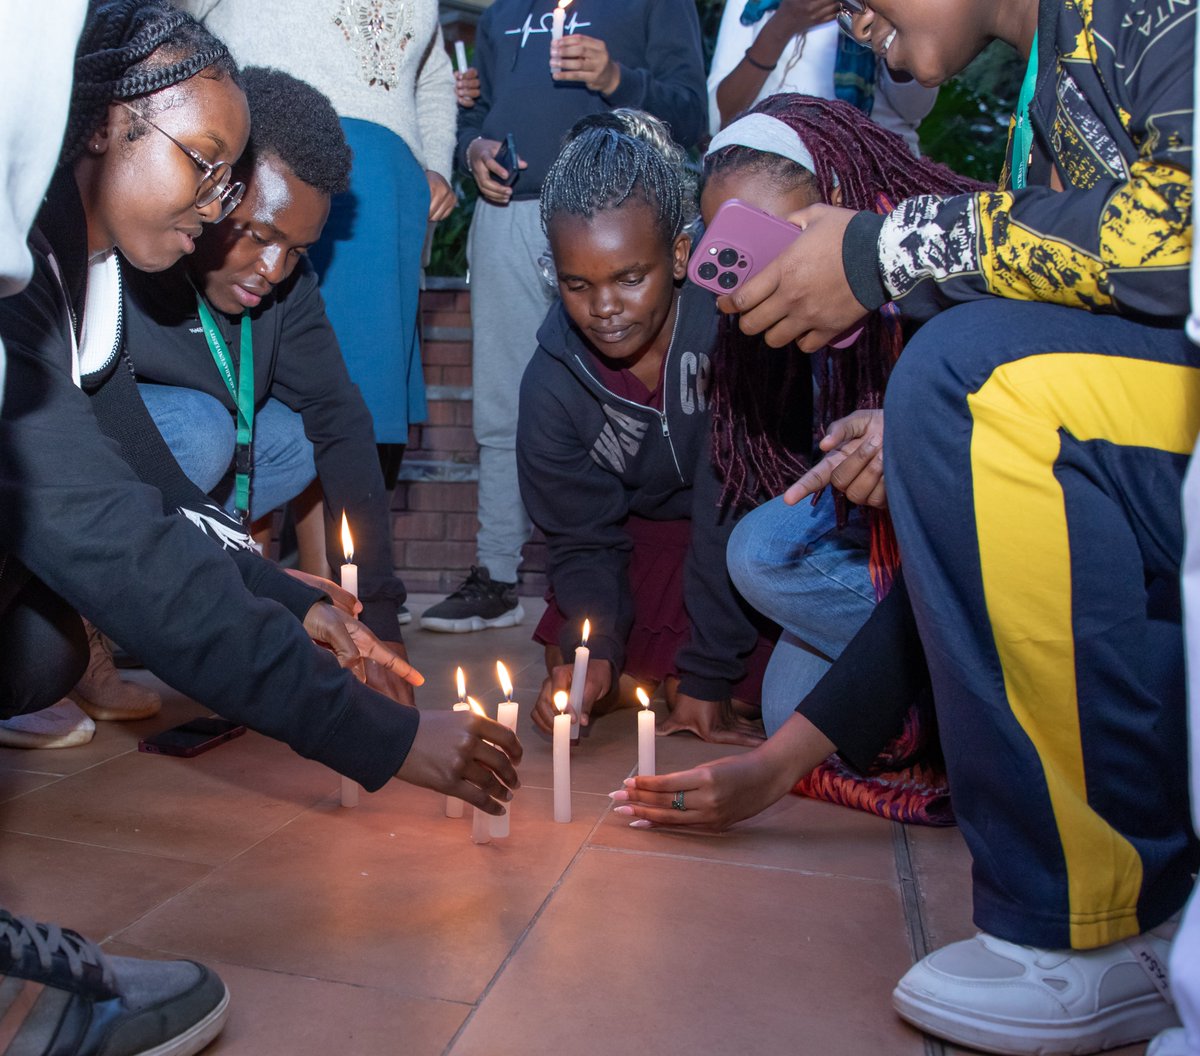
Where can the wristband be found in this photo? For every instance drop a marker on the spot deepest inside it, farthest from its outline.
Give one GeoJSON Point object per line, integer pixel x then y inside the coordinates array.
{"type": "Point", "coordinates": [756, 64]}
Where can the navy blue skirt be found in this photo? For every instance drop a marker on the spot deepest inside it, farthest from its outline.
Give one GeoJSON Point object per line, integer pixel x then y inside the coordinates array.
{"type": "Point", "coordinates": [369, 260]}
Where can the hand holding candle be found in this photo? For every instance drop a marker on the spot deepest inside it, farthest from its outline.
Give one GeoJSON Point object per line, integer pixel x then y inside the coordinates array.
{"type": "Point", "coordinates": [558, 21]}
{"type": "Point", "coordinates": [645, 721]}
{"type": "Point", "coordinates": [579, 681]}
{"type": "Point", "coordinates": [454, 805]}
{"type": "Point", "coordinates": [562, 759]}
{"type": "Point", "coordinates": [481, 821]}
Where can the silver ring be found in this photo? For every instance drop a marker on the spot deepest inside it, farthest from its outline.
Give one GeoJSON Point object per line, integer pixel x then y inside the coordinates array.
{"type": "Point", "coordinates": [677, 802]}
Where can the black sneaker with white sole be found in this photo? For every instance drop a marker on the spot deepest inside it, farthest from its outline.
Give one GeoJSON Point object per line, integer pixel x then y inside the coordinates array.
{"type": "Point", "coordinates": [480, 604]}
{"type": "Point", "coordinates": [60, 996]}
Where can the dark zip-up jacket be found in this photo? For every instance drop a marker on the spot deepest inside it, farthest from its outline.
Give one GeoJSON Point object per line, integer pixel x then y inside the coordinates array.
{"type": "Point", "coordinates": [657, 43]}
{"type": "Point", "coordinates": [116, 548]}
{"type": "Point", "coordinates": [588, 458]}
{"type": "Point", "coordinates": [298, 362]}
{"type": "Point", "coordinates": [1112, 112]}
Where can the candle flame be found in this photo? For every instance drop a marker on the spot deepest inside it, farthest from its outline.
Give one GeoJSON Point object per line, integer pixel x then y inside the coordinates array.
{"type": "Point", "coordinates": [477, 707]}
{"type": "Point", "coordinates": [587, 629]}
{"type": "Point", "coordinates": [560, 701]}
{"type": "Point", "coordinates": [347, 541]}
{"type": "Point", "coordinates": [505, 681]}
{"type": "Point", "coordinates": [460, 680]}
{"type": "Point", "coordinates": [564, 4]}
{"type": "Point", "coordinates": [641, 695]}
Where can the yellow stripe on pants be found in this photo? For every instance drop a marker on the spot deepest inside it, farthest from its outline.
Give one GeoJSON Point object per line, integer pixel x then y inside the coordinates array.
{"type": "Point", "coordinates": [1024, 554]}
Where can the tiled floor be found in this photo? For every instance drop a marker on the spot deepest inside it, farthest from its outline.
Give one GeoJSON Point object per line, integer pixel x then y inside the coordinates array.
{"type": "Point", "coordinates": [384, 930]}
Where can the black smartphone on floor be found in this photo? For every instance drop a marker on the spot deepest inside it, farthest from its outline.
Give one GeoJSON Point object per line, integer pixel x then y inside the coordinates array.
{"type": "Point", "coordinates": [507, 158]}
{"type": "Point", "coordinates": [192, 738]}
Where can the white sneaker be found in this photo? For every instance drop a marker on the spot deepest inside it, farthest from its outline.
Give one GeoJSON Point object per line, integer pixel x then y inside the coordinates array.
{"type": "Point", "coordinates": [1172, 1043]}
{"type": "Point", "coordinates": [62, 725]}
{"type": "Point", "coordinates": [1000, 997]}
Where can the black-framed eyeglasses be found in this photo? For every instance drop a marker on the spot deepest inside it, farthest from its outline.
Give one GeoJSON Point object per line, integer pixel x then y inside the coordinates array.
{"type": "Point", "coordinates": [847, 9]}
{"type": "Point", "coordinates": [216, 183]}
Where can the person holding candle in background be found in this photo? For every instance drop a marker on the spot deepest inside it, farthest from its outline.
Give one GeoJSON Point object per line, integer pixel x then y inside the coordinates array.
{"type": "Point", "coordinates": [309, 416]}
{"type": "Point", "coordinates": [643, 53]}
{"type": "Point", "coordinates": [613, 442]}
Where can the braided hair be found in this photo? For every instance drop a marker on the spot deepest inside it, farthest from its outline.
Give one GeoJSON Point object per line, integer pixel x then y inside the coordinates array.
{"type": "Point", "coordinates": [130, 49]}
{"type": "Point", "coordinates": [609, 159]}
{"type": "Point", "coordinates": [873, 169]}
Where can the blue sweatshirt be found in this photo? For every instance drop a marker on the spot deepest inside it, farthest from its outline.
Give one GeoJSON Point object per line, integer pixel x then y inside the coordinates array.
{"type": "Point", "coordinates": [656, 42]}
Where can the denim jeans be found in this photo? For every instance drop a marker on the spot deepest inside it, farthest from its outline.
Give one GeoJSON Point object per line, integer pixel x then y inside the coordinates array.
{"type": "Point", "coordinates": [201, 434]}
{"type": "Point", "coordinates": [796, 567]}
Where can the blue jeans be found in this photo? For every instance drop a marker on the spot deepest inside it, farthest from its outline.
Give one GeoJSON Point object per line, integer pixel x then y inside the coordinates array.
{"type": "Point", "coordinates": [795, 566]}
{"type": "Point", "coordinates": [201, 434]}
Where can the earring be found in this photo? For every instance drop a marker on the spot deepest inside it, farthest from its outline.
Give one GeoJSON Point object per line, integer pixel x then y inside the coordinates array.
{"type": "Point", "coordinates": [95, 146]}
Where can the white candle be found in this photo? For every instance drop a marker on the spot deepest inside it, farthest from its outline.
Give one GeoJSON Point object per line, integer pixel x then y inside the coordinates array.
{"type": "Point", "coordinates": [645, 722]}
{"type": "Point", "coordinates": [349, 584]}
{"type": "Point", "coordinates": [506, 715]}
{"type": "Point", "coordinates": [481, 820]}
{"type": "Point", "coordinates": [562, 759]}
{"type": "Point", "coordinates": [557, 25]}
{"type": "Point", "coordinates": [454, 805]}
{"type": "Point", "coordinates": [579, 681]}
{"type": "Point", "coordinates": [460, 56]}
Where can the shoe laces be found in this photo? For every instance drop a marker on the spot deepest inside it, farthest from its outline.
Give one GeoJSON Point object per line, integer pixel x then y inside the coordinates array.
{"type": "Point", "coordinates": [478, 584]}
{"type": "Point", "coordinates": [47, 940]}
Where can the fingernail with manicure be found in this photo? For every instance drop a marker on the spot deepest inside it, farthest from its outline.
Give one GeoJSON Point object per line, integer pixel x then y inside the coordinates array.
{"type": "Point", "coordinates": [623, 810]}
{"type": "Point", "coordinates": [620, 796]}
{"type": "Point", "coordinates": [641, 823]}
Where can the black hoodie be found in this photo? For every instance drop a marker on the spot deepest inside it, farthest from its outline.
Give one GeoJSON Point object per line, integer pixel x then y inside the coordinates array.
{"type": "Point", "coordinates": [588, 458]}
{"type": "Point", "coordinates": [78, 516]}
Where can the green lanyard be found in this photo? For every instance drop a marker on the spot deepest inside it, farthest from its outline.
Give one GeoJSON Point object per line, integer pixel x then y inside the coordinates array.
{"type": "Point", "coordinates": [241, 391]}
{"type": "Point", "coordinates": [1022, 138]}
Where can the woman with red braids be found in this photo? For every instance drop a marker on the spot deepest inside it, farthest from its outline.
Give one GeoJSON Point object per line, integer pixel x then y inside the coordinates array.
{"type": "Point", "coordinates": [816, 568]}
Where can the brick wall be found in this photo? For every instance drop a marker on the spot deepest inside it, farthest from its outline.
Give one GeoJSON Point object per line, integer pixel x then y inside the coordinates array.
{"type": "Point", "coordinates": [434, 507]}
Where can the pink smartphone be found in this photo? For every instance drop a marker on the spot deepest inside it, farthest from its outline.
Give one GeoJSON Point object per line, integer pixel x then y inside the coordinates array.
{"type": "Point", "coordinates": [739, 243]}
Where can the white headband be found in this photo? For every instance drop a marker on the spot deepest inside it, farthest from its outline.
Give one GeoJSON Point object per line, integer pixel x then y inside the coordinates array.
{"type": "Point", "coordinates": [768, 134]}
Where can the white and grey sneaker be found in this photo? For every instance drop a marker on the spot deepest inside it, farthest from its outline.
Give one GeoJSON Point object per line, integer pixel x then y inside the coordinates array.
{"type": "Point", "coordinates": [61, 725]}
{"type": "Point", "coordinates": [480, 604]}
{"type": "Point", "coordinates": [997, 996]}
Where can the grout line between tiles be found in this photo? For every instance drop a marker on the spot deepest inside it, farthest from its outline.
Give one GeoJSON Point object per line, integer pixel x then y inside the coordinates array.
{"type": "Point", "coordinates": [584, 845]}
{"type": "Point", "coordinates": [914, 914]}
{"type": "Point", "coordinates": [743, 865]}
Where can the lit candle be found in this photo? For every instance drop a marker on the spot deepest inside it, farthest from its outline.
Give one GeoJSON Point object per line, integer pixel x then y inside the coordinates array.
{"type": "Point", "coordinates": [460, 56]}
{"type": "Point", "coordinates": [562, 759]}
{"type": "Point", "coordinates": [645, 736]}
{"type": "Point", "coordinates": [506, 715]}
{"type": "Point", "coordinates": [481, 827]}
{"type": "Point", "coordinates": [454, 805]}
{"type": "Point", "coordinates": [557, 24]}
{"type": "Point", "coordinates": [349, 584]}
{"type": "Point", "coordinates": [579, 680]}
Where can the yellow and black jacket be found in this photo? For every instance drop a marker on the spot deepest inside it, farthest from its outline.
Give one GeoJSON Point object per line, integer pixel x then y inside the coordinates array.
{"type": "Point", "coordinates": [1112, 114]}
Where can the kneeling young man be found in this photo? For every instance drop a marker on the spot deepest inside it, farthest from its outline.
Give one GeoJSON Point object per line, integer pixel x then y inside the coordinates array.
{"type": "Point", "coordinates": [1038, 429]}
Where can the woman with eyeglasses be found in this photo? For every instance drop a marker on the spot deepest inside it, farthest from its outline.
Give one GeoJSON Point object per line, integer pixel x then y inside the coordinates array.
{"type": "Point", "coordinates": [95, 515]}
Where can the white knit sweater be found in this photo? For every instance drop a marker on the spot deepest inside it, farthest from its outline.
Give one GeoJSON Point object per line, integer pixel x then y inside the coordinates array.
{"type": "Point", "coordinates": [377, 60]}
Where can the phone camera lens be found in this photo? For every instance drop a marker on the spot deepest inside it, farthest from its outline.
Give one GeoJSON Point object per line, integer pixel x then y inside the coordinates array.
{"type": "Point", "coordinates": [707, 270]}
{"type": "Point", "coordinates": [727, 258]}
{"type": "Point", "coordinates": [728, 280]}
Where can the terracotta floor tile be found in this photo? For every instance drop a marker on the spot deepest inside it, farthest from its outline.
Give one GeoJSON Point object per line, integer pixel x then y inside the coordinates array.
{"type": "Point", "coordinates": [388, 890]}
{"type": "Point", "coordinates": [204, 809]}
{"type": "Point", "coordinates": [272, 1014]}
{"type": "Point", "coordinates": [795, 833]}
{"type": "Point", "coordinates": [94, 890]}
{"type": "Point", "coordinates": [15, 783]}
{"type": "Point", "coordinates": [640, 954]}
{"type": "Point", "coordinates": [943, 873]}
